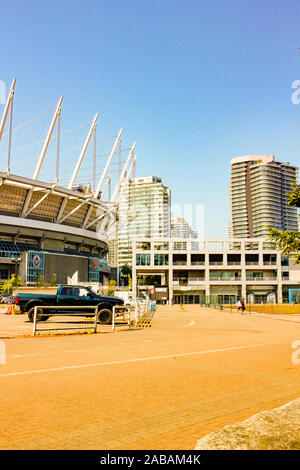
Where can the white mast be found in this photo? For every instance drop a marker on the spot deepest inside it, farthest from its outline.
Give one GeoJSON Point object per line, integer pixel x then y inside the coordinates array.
{"type": "Point", "coordinates": [47, 140]}
{"type": "Point", "coordinates": [117, 187]}
{"type": "Point", "coordinates": [107, 164]}
{"type": "Point", "coordinates": [107, 184]}
{"type": "Point", "coordinates": [104, 216]}
{"type": "Point", "coordinates": [82, 153]}
{"type": "Point", "coordinates": [7, 106]}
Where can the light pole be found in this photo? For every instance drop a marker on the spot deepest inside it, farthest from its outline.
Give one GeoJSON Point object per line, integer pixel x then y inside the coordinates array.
{"type": "Point", "coordinates": [16, 262]}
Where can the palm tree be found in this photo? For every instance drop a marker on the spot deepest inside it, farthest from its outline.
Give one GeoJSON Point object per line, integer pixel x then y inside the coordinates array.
{"type": "Point", "coordinates": [126, 272]}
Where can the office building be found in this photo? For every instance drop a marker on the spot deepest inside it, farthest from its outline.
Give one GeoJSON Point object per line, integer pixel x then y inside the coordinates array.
{"type": "Point", "coordinates": [214, 270]}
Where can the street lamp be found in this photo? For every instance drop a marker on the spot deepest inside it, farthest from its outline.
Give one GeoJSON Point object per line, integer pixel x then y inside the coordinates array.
{"type": "Point", "coordinates": [16, 262]}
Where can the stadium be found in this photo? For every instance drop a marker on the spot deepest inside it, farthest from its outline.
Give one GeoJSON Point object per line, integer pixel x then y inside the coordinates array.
{"type": "Point", "coordinates": [53, 232]}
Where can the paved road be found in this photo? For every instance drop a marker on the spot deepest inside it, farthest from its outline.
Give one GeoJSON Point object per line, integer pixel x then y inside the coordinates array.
{"type": "Point", "coordinates": [163, 387]}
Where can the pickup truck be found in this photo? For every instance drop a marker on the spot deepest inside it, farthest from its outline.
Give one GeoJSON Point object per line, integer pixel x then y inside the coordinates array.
{"type": "Point", "coordinates": [67, 295]}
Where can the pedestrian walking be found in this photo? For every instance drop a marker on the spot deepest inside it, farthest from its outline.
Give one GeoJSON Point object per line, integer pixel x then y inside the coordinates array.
{"type": "Point", "coordinates": [243, 306]}
{"type": "Point", "coordinates": [239, 304]}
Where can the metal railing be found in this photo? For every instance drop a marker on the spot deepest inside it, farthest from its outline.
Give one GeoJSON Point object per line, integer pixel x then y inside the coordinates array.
{"type": "Point", "coordinates": [141, 309]}
{"type": "Point", "coordinates": [82, 314]}
{"type": "Point", "coordinates": [10, 254]}
{"type": "Point", "coordinates": [120, 311]}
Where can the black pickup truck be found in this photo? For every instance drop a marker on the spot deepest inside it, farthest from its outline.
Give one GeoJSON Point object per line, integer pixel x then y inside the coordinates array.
{"type": "Point", "coordinates": [67, 295]}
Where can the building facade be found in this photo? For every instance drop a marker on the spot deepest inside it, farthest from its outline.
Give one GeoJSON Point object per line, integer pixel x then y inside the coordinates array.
{"type": "Point", "coordinates": [40, 245]}
{"type": "Point", "coordinates": [180, 228]}
{"type": "Point", "coordinates": [144, 211]}
{"type": "Point", "coordinates": [259, 190]}
{"type": "Point", "coordinates": [215, 270]}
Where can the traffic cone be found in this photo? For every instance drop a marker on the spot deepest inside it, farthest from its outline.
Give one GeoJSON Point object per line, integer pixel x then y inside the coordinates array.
{"type": "Point", "coordinates": [8, 311]}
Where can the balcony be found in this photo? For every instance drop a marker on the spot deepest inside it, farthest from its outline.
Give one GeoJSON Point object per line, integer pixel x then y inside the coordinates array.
{"type": "Point", "coordinates": [225, 279]}
{"type": "Point", "coordinates": [195, 281]}
{"type": "Point", "coordinates": [261, 279]}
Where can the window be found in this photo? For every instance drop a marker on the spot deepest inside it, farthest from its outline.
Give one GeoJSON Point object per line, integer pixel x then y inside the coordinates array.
{"type": "Point", "coordinates": [161, 260]}
{"type": "Point", "coordinates": [4, 274]}
{"type": "Point", "coordinates": [35, 266]}
{"type": "Point", "coordinates": [142, 260]}
{"type": "Point", "coordinates": [66, 291]}
{"type": "Point", "coordinates": [93, 269]}
{"type": "Point", "coordinates": [81, 292]}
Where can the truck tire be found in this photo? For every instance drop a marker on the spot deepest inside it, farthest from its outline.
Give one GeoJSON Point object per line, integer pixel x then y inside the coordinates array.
{"type": "Point", "coordinates": [105, 316]}
{"type": "Point", "coordinates": [31, 315]}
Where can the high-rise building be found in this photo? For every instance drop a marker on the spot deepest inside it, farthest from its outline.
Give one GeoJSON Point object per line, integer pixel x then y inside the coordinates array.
{"type": "Point", "coordinates": [180, 228]}
{"type": "Point", "coordinates": [259, 196]}
{"type": "Point", "coordinates": [144, 211]}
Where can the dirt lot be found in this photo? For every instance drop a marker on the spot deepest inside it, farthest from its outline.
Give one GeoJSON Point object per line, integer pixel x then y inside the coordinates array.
{"type": "Point", "coordinates": [193, 372]}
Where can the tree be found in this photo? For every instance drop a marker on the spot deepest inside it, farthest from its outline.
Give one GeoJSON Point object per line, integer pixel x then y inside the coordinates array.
{"type": "Point", "coordinates": [126, 272]}
{"type": "Point", "coordinates": [8, 286]}
{"type": "Point", "coordinates": [288, 242]}
{"type": "Point", "coordinates": [146, 246]}
{"type": "Point", "coordinates": [111, 287]}
{"type": "Point", "coordinates": [39, 282]}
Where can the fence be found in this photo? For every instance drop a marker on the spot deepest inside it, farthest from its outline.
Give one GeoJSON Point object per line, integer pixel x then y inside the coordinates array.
{"type": "Point", "coordinates": [272, 308]}
{"type": "Point", "coordinates": [41, 314]}
{"type": "Point", "coordinates": [144, 313]}
{"type": "Point", "coordinates": [120, 311]}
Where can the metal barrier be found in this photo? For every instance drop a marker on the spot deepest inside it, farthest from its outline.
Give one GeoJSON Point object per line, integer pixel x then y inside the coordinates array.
{"type": "Point", "coordinates": [140, 310]}
{"type": "Point", "coordinates": [41, 307]}
{"type": "Point", "coordinates": [144, 314]}
{"type": "Point", "coordinates": [121, 312]}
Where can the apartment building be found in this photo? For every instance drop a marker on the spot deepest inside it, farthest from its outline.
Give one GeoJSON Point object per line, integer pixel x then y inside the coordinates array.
{"type": "Point", "coordinates": [259, 190]}
{"type": "Point", "coordinates": [144, 211]}
{"type": "Point", "coordinates": [216, 270]}
{"type": "Point", "coordinates": [180, 228]}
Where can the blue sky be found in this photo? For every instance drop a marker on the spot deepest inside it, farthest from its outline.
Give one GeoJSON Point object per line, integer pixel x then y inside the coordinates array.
{"type": "Point", "coordinates": [194, 83]}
